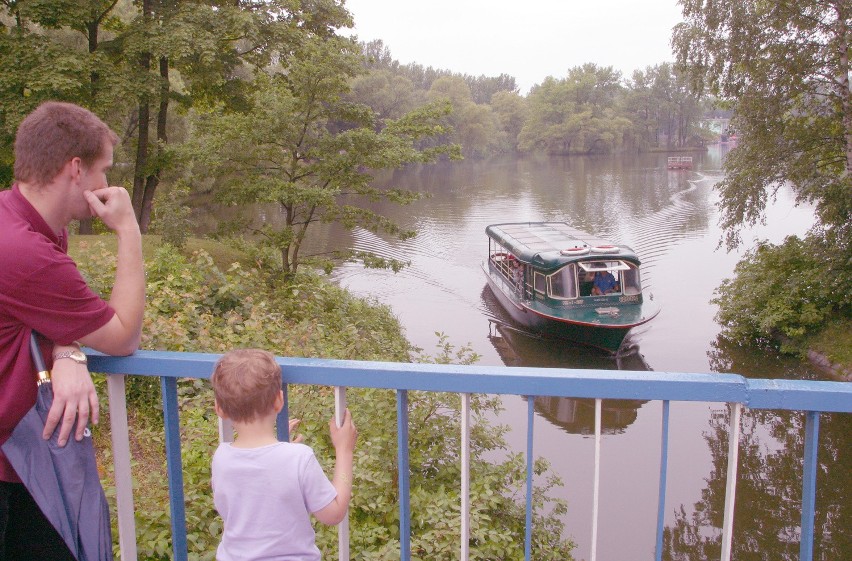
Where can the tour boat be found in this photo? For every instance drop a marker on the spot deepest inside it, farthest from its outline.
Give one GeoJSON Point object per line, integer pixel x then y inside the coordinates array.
{"type": "Point", "coordinates": [554, 279]}
{"type": "Point", "coordinates": [679, 162]}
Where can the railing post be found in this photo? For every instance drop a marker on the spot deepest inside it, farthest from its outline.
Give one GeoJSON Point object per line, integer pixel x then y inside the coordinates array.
{"type": "Point", "coordinates": [282, 421]}
{"type": "Point", "coordinates": [121, 466]}
{"type": "Point", "coordinates": [731, 487]}
{"type": "Point", "coordinates": [174, 466]}
{"type": "Point", "coordinates": [403, 476]}
{"type": "Point", "coordinates": [465, 476]}
{"type": "Point", "coordinates": [597, 482]}
{"type": "Point", "coordinates": [664, 464]}
{"type": "Point", "coordinates": [343, 527]}
{"type": "Point", "coordinates": [806, 542]}
{"type": "Point", "coordinates": [528, 523]}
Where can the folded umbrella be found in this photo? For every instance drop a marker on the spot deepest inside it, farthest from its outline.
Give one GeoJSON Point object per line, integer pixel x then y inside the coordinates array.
{"type": "Point", "coordinates": [63, 480]}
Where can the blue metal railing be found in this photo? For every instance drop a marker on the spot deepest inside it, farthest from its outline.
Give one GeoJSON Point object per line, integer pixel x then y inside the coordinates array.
{"type": "Point", "coordinates": [811, 397]}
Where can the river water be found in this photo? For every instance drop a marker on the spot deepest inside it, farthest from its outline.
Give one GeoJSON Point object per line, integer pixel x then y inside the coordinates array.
{"type": "Point", "coordinates": [670, 219]}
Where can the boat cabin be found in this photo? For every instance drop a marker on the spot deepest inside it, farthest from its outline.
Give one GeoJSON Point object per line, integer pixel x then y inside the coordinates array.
{"type": "Point", "coordinates": [552, 261]}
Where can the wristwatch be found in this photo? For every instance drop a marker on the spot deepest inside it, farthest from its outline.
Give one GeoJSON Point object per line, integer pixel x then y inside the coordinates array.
{"type": "Point", "coordinates": [76, 355]}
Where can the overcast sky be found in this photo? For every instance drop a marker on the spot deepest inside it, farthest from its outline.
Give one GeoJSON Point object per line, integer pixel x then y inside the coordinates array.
{"type": "Point", "coordinates": [529, 40]}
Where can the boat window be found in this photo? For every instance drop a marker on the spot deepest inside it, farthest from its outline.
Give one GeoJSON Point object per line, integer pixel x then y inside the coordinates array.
{"type": "Point", "coordinates": [563, 283]}
{"type": "Point", "coordinates": [593, 266]}
{"type": "Point", "coordinates": [630, 280]}
{"type": "Point", "coordinates": [540, 282]}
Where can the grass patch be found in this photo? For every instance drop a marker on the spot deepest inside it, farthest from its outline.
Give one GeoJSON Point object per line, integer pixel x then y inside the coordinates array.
{"type": "Point", "coordinates": [223, 255]}
{"type": "Point", "coordinates": [835, 342]}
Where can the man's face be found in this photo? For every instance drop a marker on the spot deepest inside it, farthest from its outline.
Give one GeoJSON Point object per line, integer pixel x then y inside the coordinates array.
{"type": "Point", "coordinates": [92, 178]}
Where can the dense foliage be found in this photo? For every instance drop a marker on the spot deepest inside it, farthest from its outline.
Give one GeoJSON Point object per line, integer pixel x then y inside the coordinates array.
{"type": "Point", "coordinates": [195, 306]}
{"type": "Point", "coordinates": [785, 291]}
{"type": "Point", "coordinates": [784, 66]}
{"type": "Point", "coordinates": [590, 109]}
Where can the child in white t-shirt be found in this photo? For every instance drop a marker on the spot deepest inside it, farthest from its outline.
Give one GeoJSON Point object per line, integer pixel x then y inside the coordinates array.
{"type": "Point", "coordinates": [266, 490]}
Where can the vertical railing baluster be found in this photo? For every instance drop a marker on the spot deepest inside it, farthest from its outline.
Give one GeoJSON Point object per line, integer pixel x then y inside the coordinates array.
{"type": "Point", "coordinates": [465, 476]}
{"type": "Point", "coordinates": [664, 465]}
{"type": "Point", "coordinates": [404, 489]}
{"type": "Point", "coordinates": [806, 542]}
{"type": "Point", "coordinates": [343, 527]}
{"type": "Point", "coordinates": [174, 467]}
{"type": "Point", "coordinates": [282, 421]}
{"type": "Point", "coordinates": [597, 481]}
{"type": "Point", "coordinates": [528, 523]}
{"type": "Point", "coordinates": [226, 430]}
{"type": "Point", "coordinates": [731, 487]}
{"type": "Point", "coordinates": [121, 466]}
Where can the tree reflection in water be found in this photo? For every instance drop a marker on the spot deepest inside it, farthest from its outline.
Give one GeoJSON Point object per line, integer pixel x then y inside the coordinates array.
{"type": "Point", "coordinates": [769, 487]}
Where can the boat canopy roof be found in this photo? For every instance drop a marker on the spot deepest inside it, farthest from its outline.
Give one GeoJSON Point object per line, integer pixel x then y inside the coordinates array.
{"type": "Point", "coordinates": [550, 245]}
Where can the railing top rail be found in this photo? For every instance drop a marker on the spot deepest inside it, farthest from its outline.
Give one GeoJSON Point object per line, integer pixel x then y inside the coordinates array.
{"type": "Point", "coordinates": [561, 382]}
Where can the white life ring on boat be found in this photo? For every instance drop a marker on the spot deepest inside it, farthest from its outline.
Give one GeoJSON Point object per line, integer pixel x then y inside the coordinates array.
{"type": "Point", "coordinates": [575, 251]}
{"type": "Point", "coordinates": [606, 249]}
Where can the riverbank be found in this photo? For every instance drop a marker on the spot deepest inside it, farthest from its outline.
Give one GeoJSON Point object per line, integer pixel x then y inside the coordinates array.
{"type": "Point", "coordinates": [831, 350]}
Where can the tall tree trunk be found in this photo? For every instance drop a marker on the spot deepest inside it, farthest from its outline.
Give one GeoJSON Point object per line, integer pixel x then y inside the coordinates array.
{"type": "Point", "coordinates": [141, 154]}
{"type": "Point", "coordinates": [92, 35]}
{"type": "Point", "coordinates": [141, 166]}
{"type": "Point", "coordinates": [843, 13]}
{"type": "Point", "coordinates": [153, 180]}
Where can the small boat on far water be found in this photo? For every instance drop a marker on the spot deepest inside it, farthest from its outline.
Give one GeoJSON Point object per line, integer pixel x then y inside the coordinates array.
{"type": "Point", "coordinates": [679, 162]}
{"type": "Point", "coordinates": [554, 279]}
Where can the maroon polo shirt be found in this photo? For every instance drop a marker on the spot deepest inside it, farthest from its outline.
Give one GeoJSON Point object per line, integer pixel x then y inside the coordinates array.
{"type": "Point", "coordinates": [42, 289]}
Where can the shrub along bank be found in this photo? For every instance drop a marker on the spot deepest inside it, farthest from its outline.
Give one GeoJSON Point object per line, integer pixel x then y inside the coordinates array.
{"type": "Point", "coordinates": [198, 303]}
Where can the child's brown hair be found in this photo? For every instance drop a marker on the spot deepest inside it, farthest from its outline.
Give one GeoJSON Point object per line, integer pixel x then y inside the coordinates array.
{"type": "Point", "coordinates": [246, 383]}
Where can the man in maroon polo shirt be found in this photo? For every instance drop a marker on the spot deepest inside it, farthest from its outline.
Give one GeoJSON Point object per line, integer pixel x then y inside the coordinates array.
{"type": "Point", "coordinates": [62, 154]}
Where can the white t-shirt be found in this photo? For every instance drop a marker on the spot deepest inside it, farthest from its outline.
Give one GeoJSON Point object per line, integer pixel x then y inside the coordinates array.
{"type": "Point", "coordinates": [265, 497]}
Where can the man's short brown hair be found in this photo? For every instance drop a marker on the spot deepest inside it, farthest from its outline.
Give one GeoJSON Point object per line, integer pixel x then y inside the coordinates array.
{"type": "Point", "coordinates": [246, 383]}
{"type": "Point", "coordinates": [52, 135]}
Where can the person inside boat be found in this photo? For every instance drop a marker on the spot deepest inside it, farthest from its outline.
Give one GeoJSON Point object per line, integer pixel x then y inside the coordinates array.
{"type": "Point", "coordinates": [517, 273]}
{"type": "Point", "coordinates": [604, 283]}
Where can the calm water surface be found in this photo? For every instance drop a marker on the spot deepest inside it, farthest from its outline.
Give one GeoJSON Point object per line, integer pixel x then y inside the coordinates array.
{"type": "Point", "coordinates": [670, 219]}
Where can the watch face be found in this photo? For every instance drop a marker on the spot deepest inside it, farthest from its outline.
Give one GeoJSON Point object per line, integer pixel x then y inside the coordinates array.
{"type": "Point", "coordinates": [78, 356]}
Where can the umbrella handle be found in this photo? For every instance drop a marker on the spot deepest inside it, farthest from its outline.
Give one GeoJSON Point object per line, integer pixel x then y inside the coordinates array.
{"type": "Point", "coordinates": [38, 359]}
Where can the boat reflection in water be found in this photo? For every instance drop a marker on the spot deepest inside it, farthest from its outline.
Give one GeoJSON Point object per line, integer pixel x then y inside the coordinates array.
{"type": "Point", "coordinates": [518, 347]}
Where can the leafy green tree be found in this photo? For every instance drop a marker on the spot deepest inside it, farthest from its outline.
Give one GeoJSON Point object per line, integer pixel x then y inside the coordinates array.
{"type": "Point", "coordinates": [661, 105]}
{"type": "Point", "coordinates": [785, 65]}
{"type": "Point", "coordinates": [472, 125]}
{"type": "Point", "coordinates": [785, 68]}
{"type": "Point", "coordinates": [305, 149]}
{"type": "Point", "coordinates": [577, 114]}
{"type": "Point", "coordinates": [389, 95]}
{"type": "Point", "coordinates": [511, 111]}
{"type": "Point", "coordinates": [785, 291]}
{"type": "Point", "coordinates": [49, 50]}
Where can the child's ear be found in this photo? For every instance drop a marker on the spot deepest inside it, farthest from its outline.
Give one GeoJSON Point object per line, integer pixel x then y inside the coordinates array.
{"type": "Point", "coordinates": [279, 401]}
{"type": "Point", "coordinates": [218, 409]}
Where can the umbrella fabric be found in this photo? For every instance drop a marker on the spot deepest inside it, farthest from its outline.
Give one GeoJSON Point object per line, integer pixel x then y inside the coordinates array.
{"type": "Point", "coordinates": [63, 480]}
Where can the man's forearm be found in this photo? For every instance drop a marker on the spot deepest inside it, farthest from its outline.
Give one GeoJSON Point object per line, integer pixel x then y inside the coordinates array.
{"type": "Point", "coordinates": [128, 292]}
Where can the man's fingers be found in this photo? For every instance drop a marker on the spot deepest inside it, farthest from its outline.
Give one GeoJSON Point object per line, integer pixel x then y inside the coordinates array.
{"type": "Point", "coordinates": [95, 204]}
{"type": "Point", "coordinates": [53, 418]}
{"type": "Point", "coordinates": [82, 421]}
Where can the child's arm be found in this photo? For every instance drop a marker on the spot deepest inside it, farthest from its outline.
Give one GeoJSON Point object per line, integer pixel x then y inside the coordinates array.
{"type": "Point", "coordinates": [343, 438]}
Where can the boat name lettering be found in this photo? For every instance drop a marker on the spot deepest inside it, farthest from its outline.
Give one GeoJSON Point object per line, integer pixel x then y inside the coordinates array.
{"type": "Point", "coordinates": [634, 298]}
